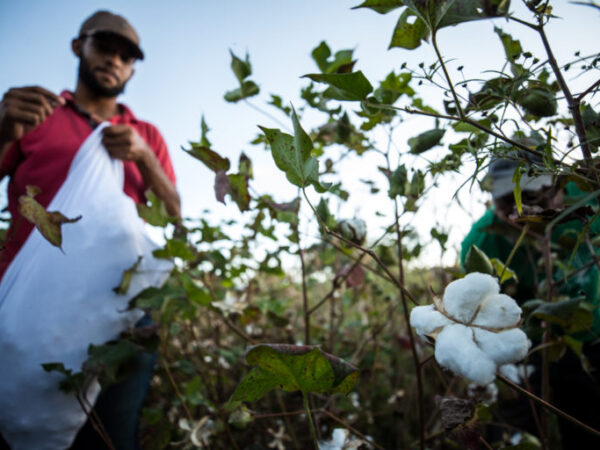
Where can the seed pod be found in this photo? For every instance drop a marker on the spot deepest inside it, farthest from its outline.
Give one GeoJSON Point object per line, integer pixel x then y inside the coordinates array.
{"type": "Point", "coordinates": [537, 101]}
{"type": "Point", "coordinates": [354, 230]}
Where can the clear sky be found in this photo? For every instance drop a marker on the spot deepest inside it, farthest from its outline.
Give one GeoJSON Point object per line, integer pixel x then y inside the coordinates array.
{"type": "Point", "coordinates": [186, 71]}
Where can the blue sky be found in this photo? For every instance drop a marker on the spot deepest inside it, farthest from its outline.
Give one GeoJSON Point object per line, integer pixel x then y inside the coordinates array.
{"type": "Point", "coordinates": [186, 71]}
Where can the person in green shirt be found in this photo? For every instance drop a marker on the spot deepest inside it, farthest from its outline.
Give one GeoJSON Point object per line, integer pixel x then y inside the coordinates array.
{"type": "Point", "coordinates": [575, 275]}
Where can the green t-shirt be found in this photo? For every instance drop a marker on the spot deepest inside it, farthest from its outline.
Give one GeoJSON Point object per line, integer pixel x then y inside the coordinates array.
{"type": "Point", "coordinates": [496, 239]}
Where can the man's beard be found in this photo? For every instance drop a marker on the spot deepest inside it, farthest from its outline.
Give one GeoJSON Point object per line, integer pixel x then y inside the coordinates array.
{"type": "Point", "coordinates": [87, 77]}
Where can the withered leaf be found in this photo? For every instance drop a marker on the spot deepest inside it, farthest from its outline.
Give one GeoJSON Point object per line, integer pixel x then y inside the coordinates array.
{"type": "Point", "coordinates": [123, 286]}
{"type": "Point", "coordinates": [48, 223]}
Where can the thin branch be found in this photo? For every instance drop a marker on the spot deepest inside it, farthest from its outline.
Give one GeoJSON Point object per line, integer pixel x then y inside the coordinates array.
{"type": "Point", "coordinates": [548, 406]}
{"type": "Point", "coordinates": [352, 429]}
{"type": "Point", "coordinates": [587, 91]}
{"type": "Point", "coordinates": [447, 75]}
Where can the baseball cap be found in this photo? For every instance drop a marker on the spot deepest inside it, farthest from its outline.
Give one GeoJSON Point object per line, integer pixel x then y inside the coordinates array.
{"type": "Point", "coordinates": [501, 172]}
{"type": "Point", "coordinates": [105, 22]}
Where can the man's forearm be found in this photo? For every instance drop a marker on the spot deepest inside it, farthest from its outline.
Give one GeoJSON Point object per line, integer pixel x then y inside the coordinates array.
{"type": "Point", "coordinates": [156, 179]}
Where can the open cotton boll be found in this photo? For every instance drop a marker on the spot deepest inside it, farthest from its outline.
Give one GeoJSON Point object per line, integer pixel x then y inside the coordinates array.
{"type": "Point", "coordinates": [462, 297]}
{"type": "Point", "coordinates": [426, 319]}
{"type": "Point", "coordinates": [498, 311]}
{"type": "Point", "coordinates": [456, 350]}
{"type": "Point", "coordinates": [504, 347]}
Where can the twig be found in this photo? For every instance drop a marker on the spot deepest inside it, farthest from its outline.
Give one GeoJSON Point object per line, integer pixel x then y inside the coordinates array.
{"type": "Point", "coordinates": [94, 425]}
{"type": "Point", "coordinates": [548, 406]}
{"type": "Point", "coordinates": [446, 74]}
{"type": "Point", "coordinates": [351, 428]}
{"type": "Point", "coordinates": [304, 298]}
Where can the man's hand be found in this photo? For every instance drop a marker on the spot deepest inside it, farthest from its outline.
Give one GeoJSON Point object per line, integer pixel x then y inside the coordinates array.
{"type": "Point", "coordinates": [23, 109]}
{"type": "Point", "coordinates": [123, 142]}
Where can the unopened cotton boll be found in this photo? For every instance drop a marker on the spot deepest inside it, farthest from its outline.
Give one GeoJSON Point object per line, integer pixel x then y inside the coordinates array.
{"type": "Point", "coordinates": [462, 297]}
{"type": "Point", "coordinates": [456, 350]}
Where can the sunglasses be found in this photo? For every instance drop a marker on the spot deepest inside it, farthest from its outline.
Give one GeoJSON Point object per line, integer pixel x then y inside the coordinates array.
{"type": "Point", "coordinates": [108, 43]}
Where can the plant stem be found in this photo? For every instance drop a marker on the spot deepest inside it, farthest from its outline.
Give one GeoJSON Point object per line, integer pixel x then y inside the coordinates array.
{"type": "Point", "coordinates": [411, 337]}
{"type": "Point", "coordinates": [548, 406]}
{"type": "Point", "coordinates": [310, 420]}
{"type": "Point", "coordinates": [447, 75]}
{"type": "Point", "coordinates": [352, 429]}
{"type": "Point", "coordinates": [305, 309]}
{"type": "Point", "coordinates": [514, 249]}
{"type": "Point", "coordinates": [572, 103]}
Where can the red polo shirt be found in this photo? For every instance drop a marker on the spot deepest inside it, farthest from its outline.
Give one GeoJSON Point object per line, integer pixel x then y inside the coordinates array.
{"type": "Point", "coordinates": [43, 156]}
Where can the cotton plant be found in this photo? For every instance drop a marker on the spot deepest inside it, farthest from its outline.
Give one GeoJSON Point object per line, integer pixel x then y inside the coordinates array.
{"type": "Point", "coordinates": [475, 327]}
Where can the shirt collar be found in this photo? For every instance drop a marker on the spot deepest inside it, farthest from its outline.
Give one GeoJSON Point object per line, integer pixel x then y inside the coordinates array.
{"type": "Point", "coordinates": [126, 116]}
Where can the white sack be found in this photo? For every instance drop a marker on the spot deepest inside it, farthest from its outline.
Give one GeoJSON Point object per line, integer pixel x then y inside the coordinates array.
{"type": "Point", "coordinates": [54, 304]}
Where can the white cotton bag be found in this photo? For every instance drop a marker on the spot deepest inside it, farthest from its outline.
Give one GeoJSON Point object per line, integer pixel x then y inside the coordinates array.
{"type": "Point", "coordinates": [54, 303]}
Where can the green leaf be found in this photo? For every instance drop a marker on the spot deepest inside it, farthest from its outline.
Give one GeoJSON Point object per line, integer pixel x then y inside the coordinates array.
{"type": "Point", "coordinates": [537, 101]}
{"type": "Point", "coordinates": [344, 86]}
{"type": "Point", "coordinates": [425, 141]}
{"type": "Point", "coordinates": [321, 55]}
{"type": "Point", "coordinates": [477, 261]}
{"type": "Point", "coordinates": [109, 362]}
{"type": "Point", "coordinates": [247, 89]}
{"type": "Point", "coordinates": [517, 193]}
{"type": "Point", "coordinates": [507, 273]}
{"type": "Point", "coordinates": [155, 213]}
{"type": "Point", "coordinates": [409, 32]}
{"type": "Point", "coordinates": [175, 248]}
{"type": "Point", "coordinates": [398, 181]}
{"type": "Point", "coordinates": [123, 286]}
{"type": "Point", "coordinates": [292, 368]}
{"type": "Point", "coordinates": [571, 314]}
{"type": "Point", "coordinates": [512, 47]}
{"type": "Point", "coordinates": [238, 184]}
{"type": "Point", "coordinates": [210, 158]}
{"type": "Point", "coordinates": [442, 13]}
{"type": "Point", "coordinates": [292, 155]}
{"type": "Point", "coordinates": [48, 223]}
{"type": "Point", "coordinates": [204, 142]}
{"type": "Point", "coordinates": [381, 6]}
{"type": "Point", "coordinates": [241, 69]}
{"type": "Point", "coordinates": [72, 382]}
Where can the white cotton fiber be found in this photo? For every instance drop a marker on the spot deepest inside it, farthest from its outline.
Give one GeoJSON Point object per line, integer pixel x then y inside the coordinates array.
{"type": "Point", "coordinates": [463, 296]}
{"type": "Point", "coordinates": [504, 347]}
{"type": "Point", "coordinates": [498, 311]}
{"type": "Point", "coordinates": [456, 350]}
{"type": "Point", "coordinates": [426, 319]}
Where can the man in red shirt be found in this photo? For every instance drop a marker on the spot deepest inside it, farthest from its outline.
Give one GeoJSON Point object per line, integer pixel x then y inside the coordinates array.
{"type": "Point", "coordinates": [41, 132]}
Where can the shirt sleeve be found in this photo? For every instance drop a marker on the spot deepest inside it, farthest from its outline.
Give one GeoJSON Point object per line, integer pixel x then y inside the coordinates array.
{"type": "Point", "coordinates": [161, 151]}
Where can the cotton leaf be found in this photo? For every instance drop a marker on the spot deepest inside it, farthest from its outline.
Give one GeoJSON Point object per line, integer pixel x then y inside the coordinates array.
{"type": "Point", "coordinates": [123, 286]}
{"type": "Point", "coordinates": [292, 368]}
{"type": "Point", "coordinates": [344, 86]}
{"type": "Point", "coordinates": [210, 158]}
{"type": "Point", "coordinates": [48, 223]}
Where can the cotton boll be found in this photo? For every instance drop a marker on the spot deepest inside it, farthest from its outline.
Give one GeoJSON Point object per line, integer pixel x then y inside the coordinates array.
{"type": "Point", "coordinates": [511, 372]}
{"type": "Point", "coordinates": [462, 297]}
{"type": "Point", "coordinates": [426, 319]}
{"type": "Point", "coordinates": [504, 347]}
{"type": "Point", "coordinates": [498, 311]}
{"type": "Point", "coordinates": [456, 350]}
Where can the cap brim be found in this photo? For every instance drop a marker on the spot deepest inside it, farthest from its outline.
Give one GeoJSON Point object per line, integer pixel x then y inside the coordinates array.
{"type": "Point", "coordinates": [135, 49]}
{"type": "Point", "coordinates": [503, 185]}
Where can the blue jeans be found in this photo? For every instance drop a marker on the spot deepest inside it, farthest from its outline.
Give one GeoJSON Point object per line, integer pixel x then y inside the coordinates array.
{"type": "Point", "coordinates": [119, 406]}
